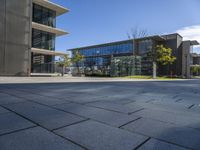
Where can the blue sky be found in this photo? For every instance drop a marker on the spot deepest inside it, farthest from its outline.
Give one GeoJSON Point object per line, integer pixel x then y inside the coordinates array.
{"type": "Point", "coordinates": [98, 21]}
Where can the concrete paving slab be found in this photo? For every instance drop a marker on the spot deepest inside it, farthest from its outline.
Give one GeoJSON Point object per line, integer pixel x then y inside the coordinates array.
{"type": "Point", "coordinates": [86, 98]}
{"type": "Point", "coordinates": [172, 97]}
{"type": "Point", "coordinates": [10, 100]}
{"type": "Point", "coordinates": [154, 144]}
{"type": "Point", "coordinates": [50, 101]}
{"type": "Point", "coordinates": [186, 137]}
{"type": "Point", "coordinates": [98, 136]}
{"type": "Point", "coordinates": [10, 122]}
{"type": "Point", "coordinates": [170, 117]}
{"type": "Point", "coordinates": [2, 110]}
{"type": "Point", "coordinates": [45, 116]}
{"type": "Point", "coordinates": [116, 107]}
{"type": "Point", "coordinates": [108, 117]}
{"type": "Point", "coordinates": [35, 139]}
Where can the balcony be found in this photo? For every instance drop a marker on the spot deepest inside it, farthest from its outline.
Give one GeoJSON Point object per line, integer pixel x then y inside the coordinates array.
{"type": "Point", "coordinates": [47, 4]}
{"type": "Point", "coordinates": [57, 32]}
{"type": "Point", "coordinates": [47, 52]}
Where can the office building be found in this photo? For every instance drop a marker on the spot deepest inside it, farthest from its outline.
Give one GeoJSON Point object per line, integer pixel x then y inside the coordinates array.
{"type": "Point", "coordinates": [28, 32]}
{"type": "Point", "coordinates": [100, 56]}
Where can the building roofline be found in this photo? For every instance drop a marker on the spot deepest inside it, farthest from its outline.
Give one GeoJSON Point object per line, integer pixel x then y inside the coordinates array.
{"type": "Point", "coordinates": [50, 5]}
{"type": "Point", "coordinates": [193, 43]}
{"type": "Point", "coordinates": [172, 34]}
{"type": "Point", "coordinates": [155, 37]}
{"type": "Point", "coordinates": [98, 45]}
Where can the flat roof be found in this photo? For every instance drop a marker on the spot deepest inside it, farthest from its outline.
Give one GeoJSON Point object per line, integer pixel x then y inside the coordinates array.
{"type": "Point", "coordinates": [194, 42]}
{"type": "Point", "coordinates": [56, 31]}
{"type": "Point", "coordinates": [155, 37]}
{"type": "Point", "coordinates": [50, 5]}
{"type": "Point", "coordinates": [100, 45]}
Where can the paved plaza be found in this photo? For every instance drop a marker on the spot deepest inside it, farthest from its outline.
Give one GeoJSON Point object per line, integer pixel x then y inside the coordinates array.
{"type": "Point", "coordinates": [99, 114]}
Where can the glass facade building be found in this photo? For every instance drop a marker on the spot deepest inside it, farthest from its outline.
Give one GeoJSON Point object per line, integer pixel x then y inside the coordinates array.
{"type": "Point", "coordinates": [99, 58]}
{"type": "Point", "coordinates": [43, 39]}
{"type": "Point", "coordinates": [44, 15]}
{"type": "Point", "coordinates": [115, 49]}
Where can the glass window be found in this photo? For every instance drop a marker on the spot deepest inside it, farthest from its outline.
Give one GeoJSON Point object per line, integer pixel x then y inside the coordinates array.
{"type": "Point", "coordinates": [145, 46]}
{"type": "Point", "coordinates": [43, 40]}
{"type": "Point", "coordinates": [44, 16]}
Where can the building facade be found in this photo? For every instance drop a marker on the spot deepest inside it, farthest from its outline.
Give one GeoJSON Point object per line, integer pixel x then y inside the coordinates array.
{"type": "Point", "coordinates": [100, 56]}
{"type": "Point", "coordinates": [27, 36]}
{"type": "Point", "coordinates": [195, 59]}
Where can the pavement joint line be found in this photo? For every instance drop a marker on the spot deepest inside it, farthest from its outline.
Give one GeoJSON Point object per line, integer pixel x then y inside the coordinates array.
{"type": "Point", "coordinates": [136, 111]}
{"type": "Point", "coordinates": [191, 106]}
{"type": "Point", "coordinates": [87, 118]}
{"type": "Point", "coordinates": [92, 102]}
{"type": "Point", "coordinates": [55, 108]}
{"type": "Point", "coordinates": [37, 124]}
{"type": "Point", "coordinates": [21, 90]}
{"type": "Point", "coordinates": [71, 124]}
{"type": "Point", "coordinates": [129, 122]}
{"type": "Point", "coordinates": [15, 131]}
{"type": "Point", "coordinates": [22, 116]}
{"type": "Point", "coordinates": [45, 95]}
{"type": "Point", "coordinates": [70, 140]}
{"type": "Point", "coordinates": [178, 100]}
{"type": "Point", "coordinates": [142, 143]}
{"type": "Point", "coordinates": [159, 139]}
{"type": "Point", "coordinates": [129, 102]}
{"type": "Point", "coordinates": [107, 109]}
{"type": "Point", "coordinates": [52, 107]}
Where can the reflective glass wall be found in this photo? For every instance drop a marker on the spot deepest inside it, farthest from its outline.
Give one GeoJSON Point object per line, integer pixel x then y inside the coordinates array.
{"type": "Point", "coordinates": [115, 49]}
{"type": "Point", "coordinates": [43, 40]}
{"type": "Point", "coordinates": [44, 16]}
{"type": "Point", "coordinates": [97, 59]}
{"type": "Point", "coordinates": [145, 46]}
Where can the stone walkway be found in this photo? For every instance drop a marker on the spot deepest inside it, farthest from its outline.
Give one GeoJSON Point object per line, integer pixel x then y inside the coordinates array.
{"type": "Point", "coordinates": [100, 115]}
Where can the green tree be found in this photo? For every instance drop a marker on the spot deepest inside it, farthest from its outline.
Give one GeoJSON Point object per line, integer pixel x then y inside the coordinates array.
{"type": "Point", "coordinates": [163, 56]}
{"type": "Point", "coordinates": [76, 59]}
{"type": "Point", "coordinates": [195, 70]}
{"type": "Point", "coordinates": [64, 61]}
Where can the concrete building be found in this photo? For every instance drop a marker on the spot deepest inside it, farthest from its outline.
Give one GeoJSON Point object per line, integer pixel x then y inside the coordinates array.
{"type": "Point", "coordinates": [99, 56]}
{"type": "Point", "coordinates": [195, 59]}
{"type": "Point", "coordinates": [27, 36]}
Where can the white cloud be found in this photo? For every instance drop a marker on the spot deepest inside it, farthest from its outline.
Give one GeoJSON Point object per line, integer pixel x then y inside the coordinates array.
{"type": "Point", "coordinates": [191, 33]}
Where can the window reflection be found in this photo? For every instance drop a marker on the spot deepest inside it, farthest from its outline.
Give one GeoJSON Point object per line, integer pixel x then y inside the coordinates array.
{"type": "Point", "coordinates": [44, 16]}
{"type": "Point", "coordinates": [145, 46]}
{"type": "Point", "coordinates": [107, 50]}
{"type": "Point", "coordinates": [43, 40]}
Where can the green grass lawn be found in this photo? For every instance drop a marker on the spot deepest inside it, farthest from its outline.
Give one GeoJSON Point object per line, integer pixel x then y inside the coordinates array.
{"type": "Point", "coordinates": [196, 77]}
{"type": "Point", "coordinates": [150, 77]}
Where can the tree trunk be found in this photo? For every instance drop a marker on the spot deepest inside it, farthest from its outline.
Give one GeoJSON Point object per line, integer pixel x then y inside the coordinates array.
{"type": "Point", "coordinates": [63, 70]}
{"type": "Point", "coordinates": [154, 70]}
{"type": "Point", "coordinates": [78, 71]}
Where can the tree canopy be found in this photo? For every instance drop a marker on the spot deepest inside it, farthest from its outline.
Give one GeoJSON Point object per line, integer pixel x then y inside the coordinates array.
{"type": "Point", "coordinates": [64, 61]}
{"type": "Point", "coordinates": [77, 57]}
{"type": "Point", "coordinates": [163, 55]}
